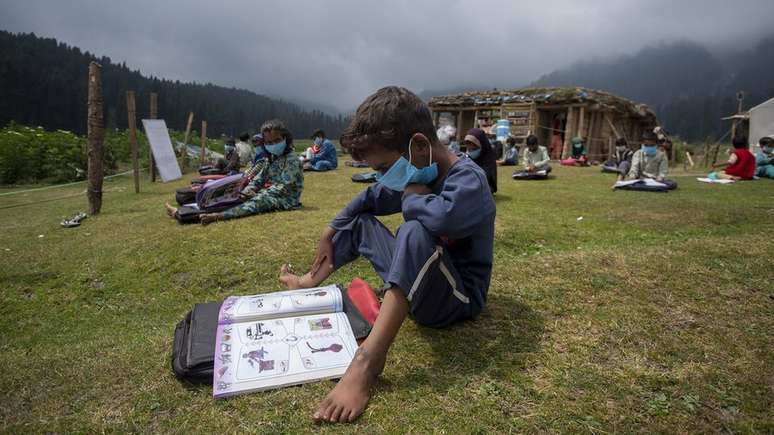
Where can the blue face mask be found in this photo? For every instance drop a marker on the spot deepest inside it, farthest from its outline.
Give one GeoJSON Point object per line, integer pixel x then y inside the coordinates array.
{"type": "Point", "coordinates": [229, 148]}
{"type": "Point", "coordinates": [649, 150]}
{"type": "Point", "coordinates": [767, 150]}
{"type": "Point", "coordinates": [402, 173]}
{"type": "Point", "coordinates": [474, 154]}
{"type": "Point", "coordinates": [276, 148]}
{"type": "Point", "coordinates": [318, 141]}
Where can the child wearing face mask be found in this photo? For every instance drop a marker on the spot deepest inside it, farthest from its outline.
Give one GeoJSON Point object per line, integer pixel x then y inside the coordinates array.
{"type": "Point", "coordinates": [650, 162]}
{"type": "Point", "coordinates": [278, 183]}
{"type": "Point", "coordinates": [322, 155]}
{"type": "Point", "coordinates": [480, 151]}
{"type": "Point", "coordinates": [578, 155]}
{"type": "Point", "coordinates": [621, 160]}
{"type": "Point", "coordinates": [438, 264]}
{"type": "Point", "coordinates": [764, 159]}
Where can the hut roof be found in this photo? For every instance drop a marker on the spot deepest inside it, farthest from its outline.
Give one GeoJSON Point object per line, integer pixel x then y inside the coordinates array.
{"type": "Point", "coordinates": [564, 95]}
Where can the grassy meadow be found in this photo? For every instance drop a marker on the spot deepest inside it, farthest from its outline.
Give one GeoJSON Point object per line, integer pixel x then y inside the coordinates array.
{"type": "Point", "coordinates": [608, 312]}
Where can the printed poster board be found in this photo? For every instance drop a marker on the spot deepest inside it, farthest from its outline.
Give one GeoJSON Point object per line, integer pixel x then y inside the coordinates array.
{"type": "Point", "coordinates": [161, 147]}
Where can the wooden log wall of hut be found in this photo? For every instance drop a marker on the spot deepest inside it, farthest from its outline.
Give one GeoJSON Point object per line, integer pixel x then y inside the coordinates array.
{"type": "Point", "coordinates": [467, 121]}
{"type": "Point", "coordinates": [601, 140]}
{"type": "Point", "coordinates": [569, 131]}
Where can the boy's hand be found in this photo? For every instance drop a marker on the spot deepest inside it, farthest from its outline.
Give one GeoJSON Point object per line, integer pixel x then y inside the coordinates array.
{"type": "Point", "coordinates": [419, 189]}
{"type": "Point", "coordinates": [324, 250]}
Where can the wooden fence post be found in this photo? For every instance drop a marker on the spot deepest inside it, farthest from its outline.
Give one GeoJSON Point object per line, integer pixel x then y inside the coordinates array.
{"type": "Point", "coordinates": [204, 143]}
{"type": "Point", "coordinates": [96, 135]}
{"type": "Point", "coordinates": [131, 111]}
{"type": "Point", "coordinates": [185, 140]}
{"type": "Point", "coordinates": [154, 113]}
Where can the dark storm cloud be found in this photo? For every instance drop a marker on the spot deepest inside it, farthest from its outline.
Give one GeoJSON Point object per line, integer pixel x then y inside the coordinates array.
{"type": "Point", "coordinates": [337, 52]}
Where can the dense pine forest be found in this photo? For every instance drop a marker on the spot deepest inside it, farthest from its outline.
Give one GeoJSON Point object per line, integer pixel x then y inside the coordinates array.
{"type": "Point", "coordinates": [44, 82]}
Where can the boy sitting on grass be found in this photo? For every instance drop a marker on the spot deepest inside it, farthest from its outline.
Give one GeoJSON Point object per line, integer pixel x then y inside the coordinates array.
{"type": "Point", "coordinates": [740, 164]}
{"type": "Point", "coordinates": [437, 266]}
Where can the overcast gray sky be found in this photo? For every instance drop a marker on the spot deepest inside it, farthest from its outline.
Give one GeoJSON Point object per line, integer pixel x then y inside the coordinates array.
{"type": "Point", "coordinates": [337, 52]}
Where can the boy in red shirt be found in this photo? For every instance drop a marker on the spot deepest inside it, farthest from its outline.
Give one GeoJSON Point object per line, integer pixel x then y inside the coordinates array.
{"type": "Point", "coordinates": [741, 163]}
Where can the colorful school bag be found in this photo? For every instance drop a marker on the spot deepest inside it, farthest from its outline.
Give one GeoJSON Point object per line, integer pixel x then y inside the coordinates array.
{"type": "Point", "coordinates": [220, 193]}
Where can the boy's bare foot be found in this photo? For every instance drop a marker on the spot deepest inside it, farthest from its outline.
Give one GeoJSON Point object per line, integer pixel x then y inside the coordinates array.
{"type": "Point", "coordinates": [350, 396]}
{"type": "Point", "coordinates": [294, 281]}
{"type": "Point", "coordinates": [171, 211]}
{"type": "Point", "coordinates": [289, 278]}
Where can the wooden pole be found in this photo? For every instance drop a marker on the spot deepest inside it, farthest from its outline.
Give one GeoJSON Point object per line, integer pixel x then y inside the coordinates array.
{"type": "Point", "coordinates": [612, 127]}
{"type": "Point", "coordinates": [690, 160]}
{"type": "Point", "coordinates": [185, 140]}
{"type": "Point", "coordinates": [204, 143]}
{"type": "Point", "coordinates": [131, 111]}
{"type": "Point", "coordinates": [96, 135]}
{"type": "Point", "coordinates": [568, 132]}
{"type": "Point", "coordinates": [460, 133]}
{"type": "Point", "coordinates": [154, 113]}
{"type": "Point", "coordinates": [739, 98]}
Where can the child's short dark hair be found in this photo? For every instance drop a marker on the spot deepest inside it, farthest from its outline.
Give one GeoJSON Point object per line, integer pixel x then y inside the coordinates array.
{"type": "Point", "coordinates": [388, 119]}
{"type": "Point", "coordinates": [621, 142]}
{"type": "Point", "coordinates": [244, 137]}
{"type": "Point", "coordinates": [532, 140]}
{"type": "Point", "coordinates": [739, 142]}
{"type": "Point", "coordinates": [766, 141]}
{"type": "Point", "coordinates": [511, 141]}
{"type": "Point", "coordinates": [317, 133]}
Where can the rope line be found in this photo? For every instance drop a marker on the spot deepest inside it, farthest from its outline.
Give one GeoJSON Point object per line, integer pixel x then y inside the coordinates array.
{"type": "Point", "coordinates": [65, 184]}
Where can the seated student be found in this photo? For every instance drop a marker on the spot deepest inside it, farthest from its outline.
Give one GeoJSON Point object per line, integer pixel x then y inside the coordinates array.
{"type": "Point", "coordinates": [277, 185]}
{"type": "Point", "coordinates": [480, 151]}
{"type": "Point", "coordinates": [621, 160]}
{"type": "Point", "coordinates": [511, 153]}
{"type": "Point", "coordinates": [228, 164]}
{"type": "Point", "coordinates": [231, 162]}
{"type": "Point", "coordinates": [438, 265]}
{"type": "Point", "coordinates": [323, 156]}
{"type": "Point", "coordinates": [535, 160]}
{"type": "Point", "coordinates": [578, 156]}
{"type": "Point", "coordinates": [245, 150]}
{"type": "Point", "coordinates": [764, 159]}
{"type": "Point", "coordinates": [649, 162]}
{"type": "Point", "coordinates": [740, 164]}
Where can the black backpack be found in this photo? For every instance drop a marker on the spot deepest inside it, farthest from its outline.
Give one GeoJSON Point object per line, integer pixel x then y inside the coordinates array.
{"type": "Point", "coordinates": [193, 348]}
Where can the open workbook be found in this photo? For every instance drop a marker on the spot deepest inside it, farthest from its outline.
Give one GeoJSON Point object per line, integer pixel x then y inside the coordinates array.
{"type": "Point", "coordinates": [285, 338]}
{"type": "Point", "coordinates": [646, 181]}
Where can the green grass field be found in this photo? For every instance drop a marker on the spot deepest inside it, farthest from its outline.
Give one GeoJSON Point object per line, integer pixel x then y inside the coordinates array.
{"type": "Point", "coordinates": [653, 313]}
